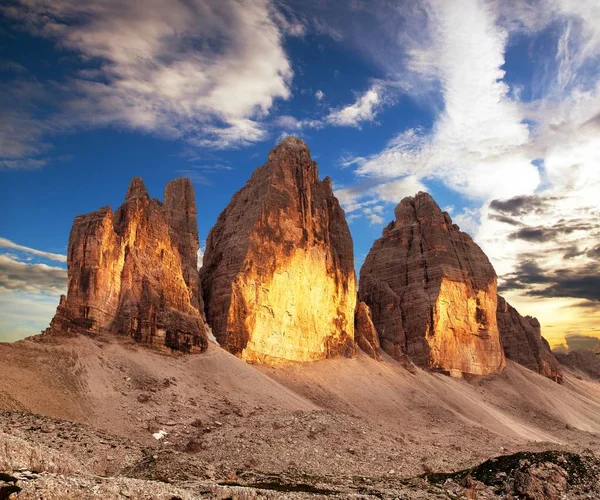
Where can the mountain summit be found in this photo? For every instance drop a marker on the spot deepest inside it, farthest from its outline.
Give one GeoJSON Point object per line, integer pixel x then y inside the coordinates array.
{"type": "Point", "coordinates": [133, 272]}
{"type": "Point", "coordinates": [432, 292]}
{"type": "Point", "coordinates": [278, 274]}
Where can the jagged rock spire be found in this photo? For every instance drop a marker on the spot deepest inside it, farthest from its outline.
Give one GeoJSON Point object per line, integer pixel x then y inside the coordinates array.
{"type": "Point", "coordinates": [278, 275]}
{"type": "Point", "coordinates": [133, 272]}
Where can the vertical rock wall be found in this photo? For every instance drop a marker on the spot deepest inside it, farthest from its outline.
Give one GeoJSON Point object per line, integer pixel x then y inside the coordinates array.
{"type": "Point", "coordinates": [432, 292]}
{"type": "Point", "coordinates": [278, 274]}
{"type": "Point", "coordinates": [133, 271]}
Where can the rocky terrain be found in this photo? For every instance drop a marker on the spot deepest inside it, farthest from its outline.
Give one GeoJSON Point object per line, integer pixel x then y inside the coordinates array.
{"type": "Point", "coordinates": [432, 292]}
{"type": "Point", "coordinates": [85, 415]}
{"type": "Point", "coordinates": [581, 360]}
{"type": "Point", "coordinates": [278, 275]}
{"type": "Point", "coordinates": [133, 272]}
{"type": "Point", "coordinates": [87, 411]}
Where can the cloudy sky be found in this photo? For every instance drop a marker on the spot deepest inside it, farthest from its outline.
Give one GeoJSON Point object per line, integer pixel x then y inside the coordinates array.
{"type": "Point", "coordinates": [493, 106]}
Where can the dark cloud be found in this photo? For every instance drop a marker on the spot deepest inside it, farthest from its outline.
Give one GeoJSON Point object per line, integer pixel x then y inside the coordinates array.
{"type": "Point", "coordinates": [521, 205]}
{"type": "Point", "coordinates": [506, 219]}
{"type": "Point", "coordinates": [33, 278]}
{"type": "Point", "coordinates": [594, 253]}
{"type": "Point", "coordinates": [578, 342]}
{"type": "Point", "coordinates": [572, 252]}
{"type": "Point", "coordinates": [582, 282]}
{"type": "Point", "coordinates": [541, 234]}
{"type": "Point", "coordinates": [586, 304]}
{"type": "Point", "coordinates": [537, 234]}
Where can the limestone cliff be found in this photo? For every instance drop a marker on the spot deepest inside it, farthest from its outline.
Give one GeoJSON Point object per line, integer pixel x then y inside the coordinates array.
{"type": "Point", "coordinates": [133, 271]}
{"type": "Point", "coordinates": [278, 274]}
{"type": "Point", "coordinates": [432, 292]}
{"type": "Point", "coordinates": [523, 342]}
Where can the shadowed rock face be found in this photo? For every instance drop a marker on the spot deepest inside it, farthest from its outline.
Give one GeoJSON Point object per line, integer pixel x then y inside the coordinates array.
{"type": "Point", "coordinates": [365, 333]}
{"type": "Point", "coordinates": [133, 271]}
{"type": "Point", "coordinates": [432, 292]}
{"type": "Point", "coordinates": [278, 273]}
{"type": "Point", "coordinates": [582, 359]}
{"type": "Point", "coordinates": [523, 343]}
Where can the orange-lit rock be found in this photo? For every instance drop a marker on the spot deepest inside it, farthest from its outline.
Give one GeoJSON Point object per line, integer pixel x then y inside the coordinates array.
{"type": "Point", "coordinates": [432, 292]}
{"type": "Point", "coordinates": [133, 271]}
{"type": "Point", "coordinates": [278, 273]}
{"type": "Point", "coordinates": [523, 342]}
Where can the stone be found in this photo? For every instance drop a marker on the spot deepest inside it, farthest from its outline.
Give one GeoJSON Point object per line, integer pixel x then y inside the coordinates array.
{"type": "Point", "coordinates": [523, 342]}
{"type": "Point", "coordinates": [133, 272]}
{"type": "Point", "coordinates": [278, 275]}
{"type": "Point", "coordinates": [365, 333]}
{"type": "Point", "coordinates": [432, 292]}
{"type": "Point", "coordinates": [583, 360]}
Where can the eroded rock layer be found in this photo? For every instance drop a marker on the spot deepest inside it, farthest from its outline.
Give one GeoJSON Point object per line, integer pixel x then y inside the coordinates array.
{"type": "Point", "coordinates": [133, 272]}
{"type": "Point", "coordinates": [278, 274]}
{"type": "Point", "coordinates": [523, 342]}
{"type": "Point", "coordinates": [432, 292]}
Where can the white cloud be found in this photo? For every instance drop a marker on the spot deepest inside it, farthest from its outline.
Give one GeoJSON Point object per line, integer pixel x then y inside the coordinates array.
{"type": "Point", "coordinates": [474, 144]}
{"type": "Point", "coordinates": [319, 95]}
{"type": "Point", "coordinates": [200, 257]}
{"type": "Point", "coordinates": [208, 71]}
{"type": "Point", "coordinates": [6, 243]}
{"type": "Point", "coordinates": [23, 314]}
{"type": "Point", "coordinates": [31, 278]}
{"type": "Point", "coordinates": [365, 108]}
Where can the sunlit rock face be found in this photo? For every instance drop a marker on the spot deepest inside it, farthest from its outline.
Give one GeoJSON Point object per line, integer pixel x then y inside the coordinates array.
{"type": "Point", "coordinates": [365, 332]}
{"type": "Point", "coordinates": [523, 342]}
{"type": "Point", "coordinates": [133, 271]}
{"type": "Point", "coordinates": [278, 274]}
{"type": "Point", "coordinates": [432, 292]}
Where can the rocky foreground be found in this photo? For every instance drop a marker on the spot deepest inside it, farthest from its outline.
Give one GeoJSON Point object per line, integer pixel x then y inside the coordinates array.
{"type": "Point", "coordinates": [332, 428]}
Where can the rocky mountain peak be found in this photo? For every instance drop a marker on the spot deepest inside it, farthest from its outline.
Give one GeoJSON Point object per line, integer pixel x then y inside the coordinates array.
{"type": "Point", "coordinates": [137, 189]}
{"type": "Point", "coordinates": [432, 292]}
{"type": "Point", "coordinates": [133, 272]}
{"type": "Point", "coordinates": [433, 295]}
{"type": "Point", "coordinates": [278, 275]}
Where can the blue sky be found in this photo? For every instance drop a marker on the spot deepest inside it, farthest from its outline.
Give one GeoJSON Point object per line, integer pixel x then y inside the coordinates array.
{"type": "Point", "coordinates": [492, 106]}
